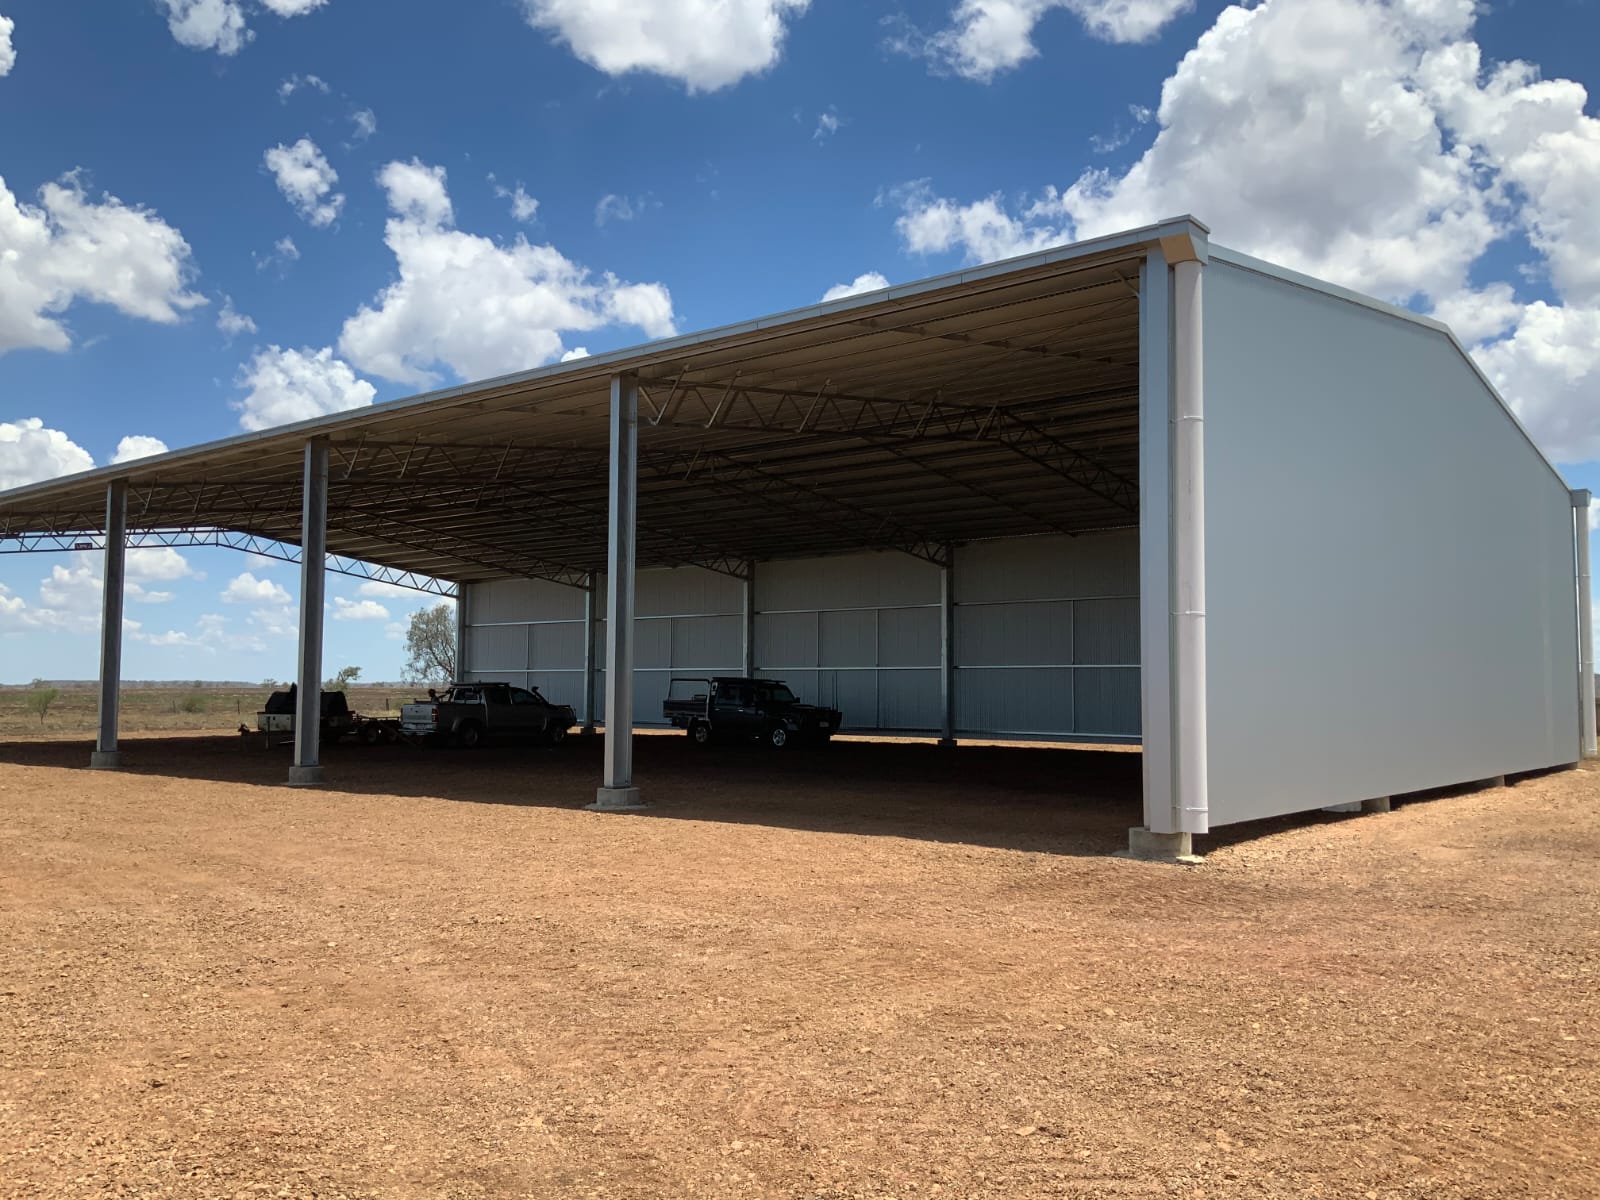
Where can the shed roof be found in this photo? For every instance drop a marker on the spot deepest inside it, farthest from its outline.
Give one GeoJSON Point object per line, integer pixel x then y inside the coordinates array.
{"type": "Point", "coordinates": [995, 401]}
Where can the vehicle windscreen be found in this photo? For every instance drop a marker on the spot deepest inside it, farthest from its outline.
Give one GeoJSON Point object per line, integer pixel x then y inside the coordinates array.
{"type": "Point", "coordinates": [777, 693]}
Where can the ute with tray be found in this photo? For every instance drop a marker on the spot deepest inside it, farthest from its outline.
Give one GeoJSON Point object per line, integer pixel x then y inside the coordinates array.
{"type": "Point", "coordinates": [733, 708]}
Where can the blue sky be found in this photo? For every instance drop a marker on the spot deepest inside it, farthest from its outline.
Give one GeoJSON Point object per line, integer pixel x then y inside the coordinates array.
{"type": "Point", "coordinates": [223, 214]}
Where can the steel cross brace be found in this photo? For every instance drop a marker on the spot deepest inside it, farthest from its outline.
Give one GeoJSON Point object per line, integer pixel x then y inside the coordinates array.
{"type": "Point", "coordinates": [909, 420]}
{"type": "Point", "coordinates": [227, 539]}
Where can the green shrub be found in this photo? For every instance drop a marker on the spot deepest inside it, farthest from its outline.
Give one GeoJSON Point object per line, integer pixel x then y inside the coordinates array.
{"type": "Point", "coordinates": [196, 704]}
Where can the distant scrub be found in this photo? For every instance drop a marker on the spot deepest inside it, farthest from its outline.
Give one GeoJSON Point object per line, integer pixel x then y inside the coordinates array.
{"type": "Point", "coordinates": [196, 704]}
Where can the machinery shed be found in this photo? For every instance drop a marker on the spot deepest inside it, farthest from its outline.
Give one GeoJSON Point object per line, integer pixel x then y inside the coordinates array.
{"type": "Point", "coordinates": [1284, 537]}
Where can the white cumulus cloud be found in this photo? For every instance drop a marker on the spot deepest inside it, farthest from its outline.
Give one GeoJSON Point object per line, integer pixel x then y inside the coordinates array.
{"type": "Point", "coordinates": [208, 24]}
{"type": "Point", "coordinates": [871, 281]}
{"type": "Point", "coordinates": [69, 247]}
{"type": "Point", "coordinates": [366, 123]}
{"type": "Point", "coordinates": [358, 610]}
{"type": "Point", "coordinates": [233, 322]}
{"type": "Point", "coordinates": [8, 52]}
{"type": "Point", "coordinates": [704, 44]}
{"type": "Point", "coordinates": [30, 453]}
{"type": "Point", "coordinates": [293, 8]}
{"type": "Point", "coordinates": [306, 179]}
{"type": "Point", "coordinates": [247, 589]}
{"type": "Point", "coordinates": [1362, 141]}
{"type": "Point", "coordinates": [138, 445]}
{"type": "Point", "coordinates": [474, 305]}
{"type": "Point", "coordinates": [986, 37]}
{"type": "Point", "coordinates": [221, 25]}
{"type": "Point", "coordinates": [161, 564]}
{"type": "Point", "coordinates": [524, 208]}
{"type": "Point", "coordinates": [297, 385]}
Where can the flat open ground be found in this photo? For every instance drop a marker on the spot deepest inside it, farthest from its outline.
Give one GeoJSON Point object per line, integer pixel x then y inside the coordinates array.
{"type": "Point", "coordinates": [873, 971]}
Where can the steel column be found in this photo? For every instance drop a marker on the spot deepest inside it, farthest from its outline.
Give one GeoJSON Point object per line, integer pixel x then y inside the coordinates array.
{"type": "Point", "coordinates": [617, 790]}
{"type": "Point", "coordinates": [750, 621]}
{"type": "Point", "coordinates": [947, 650]}
{"type": "Point", "coordinates": [1189, 547]}
{"type": "Point", "coordinates": [588, 653]}
{"type": "Point", "coordinates": [460, 673]}
{"type": "Point", "coordinates": [106, 756]}
{"type": "Point", "coordinates": [307, 769]}
{"type": "Point", "coordinates": [1155, 540]}
{"type": "Point", "coordinates": [1586, 714]}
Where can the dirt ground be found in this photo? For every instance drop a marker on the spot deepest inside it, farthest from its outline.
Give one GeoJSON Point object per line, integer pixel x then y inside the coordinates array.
{"type": "Point", "coordinates": [875, 971]}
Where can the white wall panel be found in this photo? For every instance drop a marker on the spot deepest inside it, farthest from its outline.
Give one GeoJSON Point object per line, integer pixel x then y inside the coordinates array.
{"type": "Point", "coordinates": [1047, 568]}
{"type": "Point", "coordinates": [1389, 563]}
{"type": "Point", "coordinates": [857, 631]}
{"type": "Point", "coordinates": [1036, 619]}
{"type": "Point", "coordinates": [885, 580]}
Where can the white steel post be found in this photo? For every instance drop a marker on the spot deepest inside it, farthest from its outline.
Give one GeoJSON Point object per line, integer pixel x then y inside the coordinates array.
{"type": "Point", "coordinates": [1189, 547]}
{"type": "Point", "coordinates": [617, 790]}
{"type": "Point", "coordinates": [1155, 543]}
{"type": "Point", "coordinates": [460, 673]}
{"type": "Point", "coordinates": [750, 620]}
{"type": "Point", "coordinates": [106, 756]}
{"type": "Point", "coordinates": [307, 768]}
{"type": "Point", "coordinates": [588, 653]}
{"type": "Point", "coordinates": [947, 649]}
{"type": "Point", "coordinates": [1586, 714]}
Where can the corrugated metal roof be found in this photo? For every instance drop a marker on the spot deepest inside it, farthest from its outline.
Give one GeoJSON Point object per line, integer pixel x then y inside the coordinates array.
{"type": "Point", "coordinates": [992, 402]}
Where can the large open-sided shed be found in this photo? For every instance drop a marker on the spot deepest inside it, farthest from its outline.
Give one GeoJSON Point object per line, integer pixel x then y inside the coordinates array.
{"type": "Point", "coordinates": [1139, 488]}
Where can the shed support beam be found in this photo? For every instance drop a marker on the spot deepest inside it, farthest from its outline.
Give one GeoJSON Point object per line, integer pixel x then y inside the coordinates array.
{"type": "Point", "coordinates": [750, 621]}
{"type": "Point", "coordinates": [1586, 714]}
{"type": "Point", "coordinates": [947, 650]}
{"type": "Point", "coordinates": [1189, 546]}
{"type": "Point", "coordinates": [460, 673]}
{"type": "Point", "coordinates": [106, 756]}
{"type": "Point", "coordinates": [617, 790]}
{"type": "Point", "coordinates": [1155, 542]}
{"type": "Point", "coordinates": [307, 768]}
{"type": "Point", "coordinates": [588, 653]}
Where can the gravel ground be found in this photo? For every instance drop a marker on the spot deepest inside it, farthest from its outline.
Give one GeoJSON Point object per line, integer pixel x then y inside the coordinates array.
{"type": "Point", "coordinates": [873, 971]}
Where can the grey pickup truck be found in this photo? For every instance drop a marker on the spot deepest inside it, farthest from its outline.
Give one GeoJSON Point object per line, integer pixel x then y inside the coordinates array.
{"type": "Point", "coordinates": [468, 714]}
{"type": "Point", "coordinates": [728, 708]}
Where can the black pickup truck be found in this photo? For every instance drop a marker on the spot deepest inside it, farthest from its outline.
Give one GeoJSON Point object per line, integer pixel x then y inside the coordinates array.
{"type": "Point", "coordinates": [734, 709]}
{"type": "Point", "coordinates": [471, 713]}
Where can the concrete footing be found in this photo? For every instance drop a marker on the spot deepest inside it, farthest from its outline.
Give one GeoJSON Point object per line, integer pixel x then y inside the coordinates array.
{"type": "Point", "coordinates": [1161, 847]}
{"type": "Point", "coordinates": [305, 776]}
{"type": "Point", "coordinates": [1378, 804]}
{"type": "Point", "coordinates": [1353, 807]}
{"type": "Point", "coordinates": [617, 800]}
{"type": "Point", "coordinates": [1495, 781]}
{"type": "Point", "coordinates": [105, 760]}
{"type": "Point", "coordinates": [947, 742]}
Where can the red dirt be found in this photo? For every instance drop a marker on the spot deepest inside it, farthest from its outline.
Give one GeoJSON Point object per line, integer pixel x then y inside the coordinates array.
{"type": "Point", "coordinates": [875, 971]}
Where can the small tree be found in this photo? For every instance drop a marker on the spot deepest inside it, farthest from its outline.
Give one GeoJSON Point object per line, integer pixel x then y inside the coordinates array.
{"type": "Point", "coordinates": [431, 645]}
{"type": "Point", "coordinates": [40, 700]}
{"type": "Point", "coordinates": [342, 679]}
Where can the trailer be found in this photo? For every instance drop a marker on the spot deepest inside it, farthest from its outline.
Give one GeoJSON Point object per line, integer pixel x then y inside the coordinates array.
{"type": "Point", "coordinates": [276, 721]}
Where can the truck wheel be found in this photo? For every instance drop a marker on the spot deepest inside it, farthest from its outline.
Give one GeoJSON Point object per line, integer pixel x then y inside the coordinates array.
{"type": "Point", "coordinates": [555, 735]}
{"type": "Point", "coordinates": [777, 737]}
{"type": "Point", "coordinates": [700, 733]}
{"type": "Point", "coordinates": [469, 736]}
{"type": "Point", "coordinates": [371, 733]}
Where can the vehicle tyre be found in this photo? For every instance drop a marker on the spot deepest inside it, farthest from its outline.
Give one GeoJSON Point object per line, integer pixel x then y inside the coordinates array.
{"type": "Point", "coordinates": [778, 737]}
{"type": "Point", "coordinates": [371, 733]}
{"type": "Point", "coordinates": [469, 736]}
{"type": "Point", "coordinates": [555, 735]}
{"type": "Point", "coordinates": [700, 733]}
